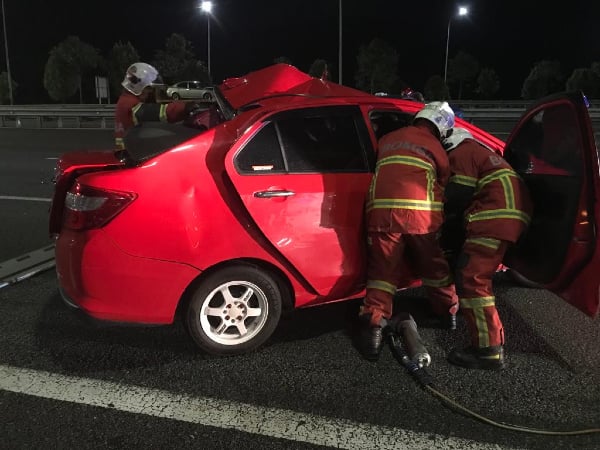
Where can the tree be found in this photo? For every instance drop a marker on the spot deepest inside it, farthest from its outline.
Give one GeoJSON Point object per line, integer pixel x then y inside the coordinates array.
{"type": "Point", "coordinates": [463, 68]}
{"type": "Point", "coordinates": [120, 57]}
{"type": "Point", "coordinates": [586, 80]}
{"type": "Point", "coordinates": [545, 78]}
{"type": "Point", "coordinates": [67, 64]}
{"type": "Point", "coordinates": [4, 90]}
{"type": "Point", "coordinates": [436, 89]}
{"type": "Point", "coordinates": [488, 82]}
{"type": "Point", "coordinates": [319, 69]}
{"type": "Point", "coordinates": [377, 66]}
{"type": "Point", "coordinates": [177, 61]}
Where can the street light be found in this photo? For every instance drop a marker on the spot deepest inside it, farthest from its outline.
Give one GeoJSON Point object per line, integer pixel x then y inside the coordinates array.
{"type": "Point", "coordinates": [340, 44]}
{"type": "Point", "coordinates": [462, 11]}
{"type": "Point", "coordinates": [10, 91]}
{"type": "Point", "coordinates": [207, 8]}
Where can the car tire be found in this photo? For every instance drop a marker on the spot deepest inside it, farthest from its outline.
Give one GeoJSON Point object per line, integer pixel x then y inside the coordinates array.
{"type": "Point", "coordinates": [234, 311]}
{"type": "Point", "coordinates": [207, 96]}
{"type": "Point", "coordinates": [175, 96]}
{"type": "Point", "coordinates": [520, 280]}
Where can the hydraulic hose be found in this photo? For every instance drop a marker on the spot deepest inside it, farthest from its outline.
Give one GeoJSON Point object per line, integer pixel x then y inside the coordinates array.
{"type": "Point", "coordinates": [415, 367]}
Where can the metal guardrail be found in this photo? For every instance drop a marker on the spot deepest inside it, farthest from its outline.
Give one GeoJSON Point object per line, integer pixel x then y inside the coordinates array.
{"type": "Point", "coordinates": [102, 116]}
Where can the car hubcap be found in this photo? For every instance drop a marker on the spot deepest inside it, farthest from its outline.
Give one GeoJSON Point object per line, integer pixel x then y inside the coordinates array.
{"type": "Point", "coordinates": [234, 312]}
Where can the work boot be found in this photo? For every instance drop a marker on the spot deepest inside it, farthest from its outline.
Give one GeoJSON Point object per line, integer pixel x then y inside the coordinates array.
{"type": "Point", "coordinates": [491, 358]}
{"type": "Point", "coordinates": [369, 339]}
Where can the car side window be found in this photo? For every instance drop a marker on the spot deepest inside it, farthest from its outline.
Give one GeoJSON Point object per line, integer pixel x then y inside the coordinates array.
{"type": "Point", "coordinates": [195, 85]}
{"type": "Point", "coordinates": [384, 122]}
{"type": "Point", "coordinates": [322, 143]}
{"type": "Point", "coordinates": [315, 140]}
{"type": "Point", "coordinates": [262, 154]}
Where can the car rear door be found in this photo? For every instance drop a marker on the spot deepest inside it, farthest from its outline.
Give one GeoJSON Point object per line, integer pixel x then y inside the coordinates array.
{"type": "Point", "coordinates": [303, 176]}
{"type": "Point", "coordinates": [553, 150]}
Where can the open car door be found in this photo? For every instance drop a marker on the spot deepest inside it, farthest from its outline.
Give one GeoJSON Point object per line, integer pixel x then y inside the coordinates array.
{"type": "Point", "coordinates": [553, 150]}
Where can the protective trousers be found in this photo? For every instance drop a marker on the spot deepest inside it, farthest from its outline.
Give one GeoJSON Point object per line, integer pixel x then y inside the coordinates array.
{"type": "Point", "coordinates": [475, 269]}
{"type": "Point", "coordinates": [394, 260]}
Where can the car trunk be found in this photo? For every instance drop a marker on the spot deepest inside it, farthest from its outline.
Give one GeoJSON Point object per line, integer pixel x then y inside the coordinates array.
{"type": "Point", "coordinates": [68, 169]}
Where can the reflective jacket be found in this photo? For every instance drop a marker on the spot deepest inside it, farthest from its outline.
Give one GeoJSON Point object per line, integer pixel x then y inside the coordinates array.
{"type": "Point", "coordinates": [486, 193]}
{"type": "Point", "coordinates": [130, 111]}
{"type": "Point", "coordinates": [407, 189]}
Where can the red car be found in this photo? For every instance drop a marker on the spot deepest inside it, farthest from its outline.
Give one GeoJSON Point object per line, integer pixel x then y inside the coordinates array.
{"type": "Point", "coordinates": [261, 208]}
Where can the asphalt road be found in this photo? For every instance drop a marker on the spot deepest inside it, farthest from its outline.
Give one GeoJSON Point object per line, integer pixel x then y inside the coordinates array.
{"type": "Point", "coordinates": [67, 383]}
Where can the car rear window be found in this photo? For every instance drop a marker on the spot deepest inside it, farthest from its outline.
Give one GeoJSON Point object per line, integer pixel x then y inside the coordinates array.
{"type": "Point", "coordinates": [150, 139]}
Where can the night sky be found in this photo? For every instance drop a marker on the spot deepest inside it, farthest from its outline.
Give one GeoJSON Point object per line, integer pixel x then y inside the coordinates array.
{"type": "Point", "coordinates": [507, 35]}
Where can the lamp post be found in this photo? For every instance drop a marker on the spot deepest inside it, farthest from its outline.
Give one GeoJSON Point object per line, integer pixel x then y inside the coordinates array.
{"type": "Point", "coordinates": [10, 91]}
{"type": "Point", "coordinates": [340, 44]}
{"type": "Point", "coordinates": [207, 8]}
{"type": "Point", "coordinates": [462, 11]}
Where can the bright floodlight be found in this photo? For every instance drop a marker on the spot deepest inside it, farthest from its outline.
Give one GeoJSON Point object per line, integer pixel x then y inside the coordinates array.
{"type": "Point", "coordinates": [206, 6]}
{"type": "Point", "coordinates": [462, 10]}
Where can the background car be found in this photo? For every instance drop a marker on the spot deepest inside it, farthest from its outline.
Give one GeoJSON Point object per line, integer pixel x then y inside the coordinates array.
{"type": "Point", "coordinates": [190, 90]}
{"type": "Point", "coordinates": [262, 211]}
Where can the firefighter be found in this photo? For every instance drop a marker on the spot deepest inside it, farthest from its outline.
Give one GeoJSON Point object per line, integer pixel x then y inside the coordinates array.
{"type": "Point", "coordinates": [491, 204]}
{"type": "Point", "coordinates": [137, 102]}
{"type": "Point", "coordinates": [404, 213]}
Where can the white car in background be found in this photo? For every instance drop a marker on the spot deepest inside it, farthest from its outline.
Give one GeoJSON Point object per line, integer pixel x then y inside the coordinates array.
{"type": "Point", "coordinates": [190, 90]}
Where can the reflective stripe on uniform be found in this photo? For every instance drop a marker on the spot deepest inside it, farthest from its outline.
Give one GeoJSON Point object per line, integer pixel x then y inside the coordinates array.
{"type": "Point", "coordinates": [411, 161]}
{"type": "Point", "coordinates": [464, 180]}
{"type": "Point", "coordinates": [477, 302]}
{"type": "Point", "coordinates": [162, 115]}
{"type": "Point", "coordinates": [134, 111]}
{"type": "Point", "coordinates": [391, 203]}
{"type": "Point", "coordinates": [443, 282]}
{"type": "Point", "coordinates": [477, 305]}
{"type": "Point", "coordinates": [382, 286]}
{"type": "Point", "coordinates": [500, 214]}
{"type": "Point", "coordinates": [119, 143]}
{"type": "Point", "coordinates": [486, 242]}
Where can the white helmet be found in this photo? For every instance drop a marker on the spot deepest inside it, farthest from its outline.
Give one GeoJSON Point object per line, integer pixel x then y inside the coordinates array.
{"type": "Point", "coordinates": [138, 76]}
{"type": "Point", "coordinates": [438, 113]}
{"type": "Point", "coordinates": [455, 137]}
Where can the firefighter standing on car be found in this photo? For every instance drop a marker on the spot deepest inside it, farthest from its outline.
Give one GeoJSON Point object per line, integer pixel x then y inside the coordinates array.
{"type": "Point", "coordinates": [404, 213]}
{"type": "Point", "coordinates": [490, 202]}
{"type": "Point", "coordinates": [137, 103]}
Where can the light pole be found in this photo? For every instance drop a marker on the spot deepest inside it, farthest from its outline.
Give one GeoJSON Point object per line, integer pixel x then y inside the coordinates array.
{"type": "Point", "coordinates": [207, 8]}
{"type": "Point", "coordinates": [340, 44]}
{"type": "Point", "coordinates": [10, 91]}
{"type": "Point", "coordinates": [462, 11]}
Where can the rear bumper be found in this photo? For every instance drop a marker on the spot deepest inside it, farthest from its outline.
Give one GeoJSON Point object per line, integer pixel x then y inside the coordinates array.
{"type": "Point", "coordinates": [97, 277]}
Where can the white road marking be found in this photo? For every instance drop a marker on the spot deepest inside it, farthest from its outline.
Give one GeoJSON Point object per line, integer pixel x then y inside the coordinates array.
{"type": "Point", "coordinates": [30, 199]}
{"type": "Point", "coordinates": [272, 422]}
{"type": "Point", "coordinates": [51, 158]}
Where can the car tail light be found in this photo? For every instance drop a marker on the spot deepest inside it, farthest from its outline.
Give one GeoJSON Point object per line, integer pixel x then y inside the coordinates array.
{"type": "Point", "coordinates": [90, 207]}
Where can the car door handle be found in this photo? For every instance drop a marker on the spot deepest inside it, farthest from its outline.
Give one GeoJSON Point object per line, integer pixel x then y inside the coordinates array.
{"type": "Point", "coordinates": [274, 193]}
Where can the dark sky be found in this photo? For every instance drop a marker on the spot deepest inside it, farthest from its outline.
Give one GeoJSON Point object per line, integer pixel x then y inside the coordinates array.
{"type": "Point", "coordinates": [507, 35]}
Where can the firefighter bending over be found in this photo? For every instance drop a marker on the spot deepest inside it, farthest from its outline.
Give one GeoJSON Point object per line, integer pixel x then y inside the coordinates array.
{"type": "Point", "coordinates": [487, 197]}
{"type": "Point", "coordinates": [404, 213]}
{"type": "Point", "coordinates": [137, 102]}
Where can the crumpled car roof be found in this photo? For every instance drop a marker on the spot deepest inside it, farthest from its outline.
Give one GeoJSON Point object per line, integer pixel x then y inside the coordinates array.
{"type": "Point", "coordinates": [280, 79]}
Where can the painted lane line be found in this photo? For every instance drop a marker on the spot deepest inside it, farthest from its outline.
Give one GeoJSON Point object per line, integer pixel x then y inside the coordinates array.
{"type": "Point", "coordinates": [31, 199]}
{"type": "Point", "coordinates": [271, 422]}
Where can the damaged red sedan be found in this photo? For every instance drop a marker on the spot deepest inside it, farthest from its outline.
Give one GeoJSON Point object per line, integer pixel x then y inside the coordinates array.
{"type": "Point", "coordinates": [261, 209]}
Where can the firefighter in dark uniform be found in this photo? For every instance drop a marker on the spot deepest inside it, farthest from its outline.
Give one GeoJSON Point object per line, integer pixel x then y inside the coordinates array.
{"type": "Point", "coordinates": [137, 103]}
{"type": "Point", "coordinates": [404, 213]}
{"type": "Point", "coordinates": [490, 203]}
